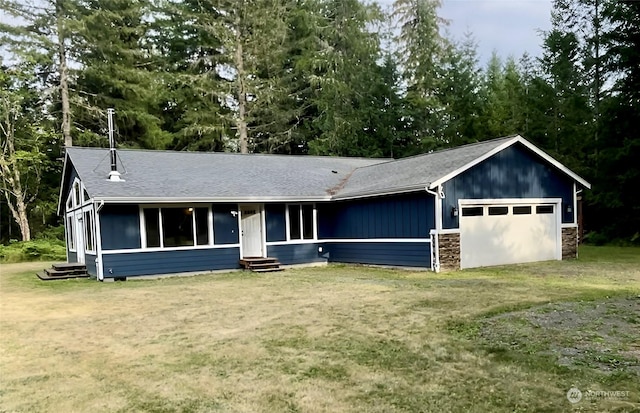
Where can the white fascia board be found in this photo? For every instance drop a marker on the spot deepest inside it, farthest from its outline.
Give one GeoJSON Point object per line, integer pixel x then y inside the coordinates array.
{"type": "Point", "coordinates": [383, 192]}
{"type": "Point", "coordinates": [502, 147]}
{"type": "Point", "coordinates": [186, 200]}
{"type": "Point", "coordinates": [64, 170]}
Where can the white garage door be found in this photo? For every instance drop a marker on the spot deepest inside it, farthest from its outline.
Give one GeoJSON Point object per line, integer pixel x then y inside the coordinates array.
{"type": "Point", "coordinates": [508, 234]}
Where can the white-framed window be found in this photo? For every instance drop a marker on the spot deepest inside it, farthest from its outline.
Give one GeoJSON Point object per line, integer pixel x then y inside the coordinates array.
{"type": "Point", "coordinates": [301, 222]}
{"type": "Point", "coordinates": [71, 236]}
{"type": "Point", "coordinates": [76, 193]}
{"type": "Point", "coordinates": [170, 227]}
{"type": "Point", "coordinates": [89, 231]}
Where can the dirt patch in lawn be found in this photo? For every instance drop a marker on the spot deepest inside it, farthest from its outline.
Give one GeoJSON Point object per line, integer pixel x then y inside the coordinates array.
{"type": "Point", "coordinates": [597, 334]}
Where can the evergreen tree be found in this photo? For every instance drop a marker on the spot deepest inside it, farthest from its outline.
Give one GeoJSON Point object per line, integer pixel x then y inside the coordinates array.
{"type": "Point", "coordinates": [421, 51]}
{"type": "Point", "coordinates": [459, 92]}
{"type": "Point", "coordinates": [116, 72]}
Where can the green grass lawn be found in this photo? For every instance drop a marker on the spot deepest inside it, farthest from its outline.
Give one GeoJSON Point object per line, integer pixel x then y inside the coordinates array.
{"type": "Point", "coordinates": [327, 339]}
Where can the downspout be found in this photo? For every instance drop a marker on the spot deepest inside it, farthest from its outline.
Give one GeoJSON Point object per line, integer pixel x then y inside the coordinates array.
{"type": "Point", "coordinates": [576, 217]}
{"type": "Point", "coordinates": [438, 196]}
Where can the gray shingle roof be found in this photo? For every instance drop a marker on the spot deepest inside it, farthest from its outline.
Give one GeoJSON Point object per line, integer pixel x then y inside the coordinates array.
{"type": "Point", "coordinates": [156, 175]}
{"type": "Point", "coordinates": [166, 174]}
{"type": "Point", "coordinates": [414, 172]}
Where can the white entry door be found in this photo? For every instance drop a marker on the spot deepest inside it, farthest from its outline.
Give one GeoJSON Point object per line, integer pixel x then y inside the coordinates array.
{"type": "Point", "coordinates": [251, 231]}
{"type": "Point", "coordinates": [508, 234]}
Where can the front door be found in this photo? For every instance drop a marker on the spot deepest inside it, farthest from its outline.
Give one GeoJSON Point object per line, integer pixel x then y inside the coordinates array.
{"type": "Point", "coordinates": [251, 231]}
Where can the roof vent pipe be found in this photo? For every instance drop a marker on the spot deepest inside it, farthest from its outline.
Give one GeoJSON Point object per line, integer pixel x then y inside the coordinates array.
{"type": "Point", "coordinates": [114, 175]}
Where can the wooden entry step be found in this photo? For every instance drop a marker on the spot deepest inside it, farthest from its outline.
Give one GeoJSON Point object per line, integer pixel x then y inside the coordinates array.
{"type": "Point", "coordinates": [260, 264]}
{"type": "Point", "coordinates": [64, 271]}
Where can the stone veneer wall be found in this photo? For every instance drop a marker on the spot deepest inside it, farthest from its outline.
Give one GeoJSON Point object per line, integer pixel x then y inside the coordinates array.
{"type": "Point", "coordinates": [449, 249]}
{"type": "Point", "coordinates": [569, 243]}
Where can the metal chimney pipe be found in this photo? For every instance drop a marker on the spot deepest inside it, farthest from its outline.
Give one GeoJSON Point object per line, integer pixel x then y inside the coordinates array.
{"type": "Point", "coordinates": [112, 143]}
{"type": "Point", "coordinates": [114, 175]}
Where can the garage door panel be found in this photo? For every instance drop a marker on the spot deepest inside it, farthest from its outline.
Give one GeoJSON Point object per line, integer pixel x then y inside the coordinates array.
{"type": "Point", "coordinates": [507, 239]}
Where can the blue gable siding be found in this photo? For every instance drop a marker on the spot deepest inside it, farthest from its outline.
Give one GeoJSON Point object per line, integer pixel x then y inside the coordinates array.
{"type": "Point", "coordinates": [225, 224]}
{"type": "Point", "coordinates": [71, 175]}
{"type": "Point", "coordinates": [275, 222]}
{"type": "Point", "coordinates": [120, 227]}
{"type": "Point", "coordinates": [399, 216]}
{"type": "Point", "coordinates": [405, 254]}
{"type": "Point", "coordinates": [290, 254]}
{"type": "Point", "coordinates": [512, 173]}
{"type": "Point", "coordinates": [167, 262]}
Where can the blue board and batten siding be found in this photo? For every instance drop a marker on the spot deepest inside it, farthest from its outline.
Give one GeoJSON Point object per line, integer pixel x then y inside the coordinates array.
{"type": "Point", "coordinates": [169, 262]}
{"type": "Point", "coordinates": [514, 172]}
{"type": "Point", "coordinates": [292, 254]}
{"type": "Point", "coordinates": [90, 262]}
{"type": "Point", "coordinates": [399, 216]}
{"type": "Point", "coordinates": [401, 254]}
{"type": "Point", "coordinates": [120, 227]}
{"type": "Point", "coordinates": [275, 222]}
{"type": "Point", "coordinates": [349, 230]}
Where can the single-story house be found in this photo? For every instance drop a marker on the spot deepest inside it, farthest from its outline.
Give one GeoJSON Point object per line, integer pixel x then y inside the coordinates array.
{"type": "Point", "coordinates": [495, 202]}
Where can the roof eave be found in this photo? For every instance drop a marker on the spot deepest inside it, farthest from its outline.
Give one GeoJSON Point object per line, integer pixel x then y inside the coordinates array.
{"type": "Point", "coordinates": [182, 200]}
{"type": "Point", "coordinates": [64, 171]}
{"type": "Point", "coordinates": [383, 192]}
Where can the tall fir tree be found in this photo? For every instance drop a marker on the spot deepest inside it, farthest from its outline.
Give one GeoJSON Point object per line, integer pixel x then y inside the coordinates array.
{"type": "Point", "coordinates": [116, 71]}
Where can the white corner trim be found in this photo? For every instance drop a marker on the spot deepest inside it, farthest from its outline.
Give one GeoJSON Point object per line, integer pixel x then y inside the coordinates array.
{"type": "Point", "coordinates": [575, 204]}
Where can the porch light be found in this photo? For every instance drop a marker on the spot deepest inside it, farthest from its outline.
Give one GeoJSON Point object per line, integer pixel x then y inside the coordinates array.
{"type": "Point", "coordinates": [454, 212]}
{"type": "Point", "coordinates": [569, 209]}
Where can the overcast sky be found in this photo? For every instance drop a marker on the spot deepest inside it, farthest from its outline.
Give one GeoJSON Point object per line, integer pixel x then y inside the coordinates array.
{"type": "Point", "coordinates": [511, 27]}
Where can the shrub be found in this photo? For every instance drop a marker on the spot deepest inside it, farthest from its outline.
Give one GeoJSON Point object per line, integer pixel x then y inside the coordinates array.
{"type": "Point", "coordinates": [35, 250]}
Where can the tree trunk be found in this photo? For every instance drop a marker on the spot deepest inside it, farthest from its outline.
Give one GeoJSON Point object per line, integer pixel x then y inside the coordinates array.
{"type": "Point", "coordinates": [241, 122]}
{"type": "Point", "coordinates": [63, 72]}
{"type": "Point", "coordinates": [64, 75]}
{"type": "Point", "coordinates": [11, 184]}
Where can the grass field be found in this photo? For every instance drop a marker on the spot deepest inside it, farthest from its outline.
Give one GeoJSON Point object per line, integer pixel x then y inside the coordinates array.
{"type": "Point", "coordinates": [327, 339]}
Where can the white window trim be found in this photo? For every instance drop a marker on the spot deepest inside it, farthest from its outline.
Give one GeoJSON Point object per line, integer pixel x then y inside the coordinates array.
{"type": "Point", "coordinates": [71, 199]}
{"type": "Point", "coordinates": [85, 226]}
{"type": "Point", "coordinates": [314, 217]}
{"type": "Point", "coordinates": [143, 227]}
{"type": "Point", "coordinates": [71, 231]}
